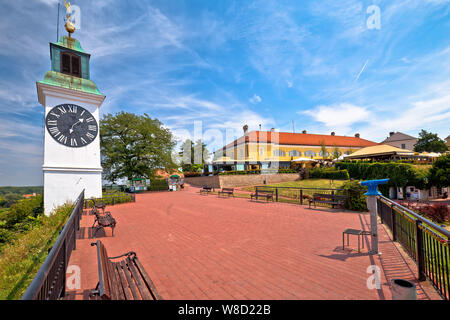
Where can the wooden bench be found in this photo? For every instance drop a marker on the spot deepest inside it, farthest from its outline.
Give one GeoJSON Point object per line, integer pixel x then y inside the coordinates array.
{"type": "Point", "coordinates": [268, 194]}
{"type": "Point", "coordinates": [327, 198]}
{"type": "Point", "coordinates": [125, 279]}
{"type": "Point", "coordinates": [206, 190]}
{"type": "Point", "coordinates": [227, 191]}
{"type": "Point", "coordinates": [104, 220]}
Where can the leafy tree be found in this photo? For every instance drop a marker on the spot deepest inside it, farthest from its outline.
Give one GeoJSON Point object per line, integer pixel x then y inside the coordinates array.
{"type": "Point", "coordinates": [323, 150]}
{"type": "Point", "coordinates": [336, 153]}
{"type": "Point", "coordinates": [134, 146]}
{"type": "Point", "coordinates": [193, 156]}
{"type": "Point", "coordinates": [429, 142]}
{"type": "Point", "coordinates": [440, 172]}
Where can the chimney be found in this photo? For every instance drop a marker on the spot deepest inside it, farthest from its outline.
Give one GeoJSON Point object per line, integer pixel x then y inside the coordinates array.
{"type": "Point", "coordinates": [391, 134]}
{"type": "Point", "coordinates": [304, 131]}
{"type": "Point", "coordinates": [332, 133]}
{"type": "Point", "coordinates": [245, 129]}
{"type": "Point", "coordinates": [357, 135]}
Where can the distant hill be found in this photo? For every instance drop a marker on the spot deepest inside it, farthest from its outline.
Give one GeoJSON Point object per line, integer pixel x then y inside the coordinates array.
{"type": "Point", "coordinates": [21, 190]}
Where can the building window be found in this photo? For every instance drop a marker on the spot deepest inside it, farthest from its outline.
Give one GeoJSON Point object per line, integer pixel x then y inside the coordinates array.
{"type": "Point", "coordinates": [403, 146]}
{"type": "Point", "coordinates": [310, 154]}
{"type": "Point", "coordinates": [295, 153]}
{"type": "Point", "coordinates": [279, 153]}
{"type": "Point", "coordinates": [321, 154]}
{"type": "Point", "coordinates": [347, 153]}
{"type": "Point", "coordinates": [70, 64]}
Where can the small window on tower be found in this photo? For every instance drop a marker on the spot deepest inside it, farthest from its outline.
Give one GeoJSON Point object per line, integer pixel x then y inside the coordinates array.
{"type": "Point", "coordinates": [70, 64]}
{"type": "Point", "coordinates": [65, 58]}
{"type": "Point", "coordinates": [76, 66]}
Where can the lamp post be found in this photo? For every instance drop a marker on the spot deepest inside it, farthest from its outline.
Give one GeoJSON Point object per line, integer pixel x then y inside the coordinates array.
{"type": "Point", "coordinates": [371, 200]}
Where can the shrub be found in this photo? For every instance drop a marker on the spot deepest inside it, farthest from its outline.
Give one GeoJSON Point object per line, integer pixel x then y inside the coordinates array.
{"type": "Point", "coordinates": [399, 174]}
{"type": "Point", "coordinates": [21, 259]}
{"type": "Point", "coordinates": [436, 212]}
{"type": "Point", "coordinates": [192, 174]}
{"type": "Point", "coordinates": [329, 173]}
{"type": "Point", "coordinates": [158, 185]}
{"type": "Point", "coordinates": [356, 198]}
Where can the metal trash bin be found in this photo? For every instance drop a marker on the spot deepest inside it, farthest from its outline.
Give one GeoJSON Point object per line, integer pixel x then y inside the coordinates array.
{"type": "Point", "coordinates": [403, 290]}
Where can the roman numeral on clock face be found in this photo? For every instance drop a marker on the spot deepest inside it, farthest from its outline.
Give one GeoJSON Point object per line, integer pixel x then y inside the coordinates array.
{"type": "Point", "coordinates": [54, 131]}
{"type": "Point", "coordinates": [73, 142]}
{"type": "Point", "coordinates": [62, 109]}
{"type": "Point", "coordinates": [83, 141]}
{"type": "Point", "coordinates": [90, 119]}
{"type": "Point", "coordinates": [52, 122]}
{"type": "Point", "coordinates": [92, 128]}
{"type": "Point", "coordinates": [90, 136]}
{"type": "Point", "coordinates": [73, 109]}
{"type": "Point", "coordinates": [62, 138]}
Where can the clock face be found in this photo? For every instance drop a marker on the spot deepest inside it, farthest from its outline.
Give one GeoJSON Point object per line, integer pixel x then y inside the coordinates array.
{"type": "Point", "coordinates": [71, 125]}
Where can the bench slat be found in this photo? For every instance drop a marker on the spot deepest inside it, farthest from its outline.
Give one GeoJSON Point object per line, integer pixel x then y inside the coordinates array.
{"type": "Point", "coordinates": [147, 279]}
{"type": "Point", "coordinates": [124, 285]}
{"type": "Point", "coordinates": [139, 282]}
{"type": "Point", "coordinates": [119, 285]}
{"type": "Point", "coordinates": [129, 280]}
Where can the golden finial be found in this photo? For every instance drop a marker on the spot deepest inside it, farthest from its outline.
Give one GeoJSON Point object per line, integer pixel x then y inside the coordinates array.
{"type": "Point", "coordinates": [69, 25]}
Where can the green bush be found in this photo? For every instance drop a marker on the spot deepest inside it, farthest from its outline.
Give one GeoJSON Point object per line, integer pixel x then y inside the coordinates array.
{"type": "Point", "coordinates": [158, 185]}
{"type": "Point", "coordinates": [356, 198]}
{"type": "Point", "coordinates": [399, 174]}
{"type": "Point", "coordinates": [329, 173]}
{"type": "Point", "coordinates": [21, 259]}
{"type": "Point", "coordinates": [257, 171]}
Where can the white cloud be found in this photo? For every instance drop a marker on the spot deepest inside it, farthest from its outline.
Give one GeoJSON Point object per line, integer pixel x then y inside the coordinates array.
{"type": "Point", "coordinates": [255, 99]}
{"type": "Point", "coordinates": [338, 115]}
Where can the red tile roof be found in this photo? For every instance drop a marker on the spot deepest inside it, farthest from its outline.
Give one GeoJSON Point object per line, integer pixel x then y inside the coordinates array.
{"type": "Point", "coordinates": [306, 139]}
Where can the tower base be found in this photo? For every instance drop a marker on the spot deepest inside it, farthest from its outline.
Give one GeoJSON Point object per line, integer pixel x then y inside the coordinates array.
{"type": "Point", "coordinates": [62, 185]}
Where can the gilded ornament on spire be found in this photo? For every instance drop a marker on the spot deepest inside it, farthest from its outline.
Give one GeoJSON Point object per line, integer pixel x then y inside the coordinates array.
{"type": "Point", "coordinates": [69, 25]}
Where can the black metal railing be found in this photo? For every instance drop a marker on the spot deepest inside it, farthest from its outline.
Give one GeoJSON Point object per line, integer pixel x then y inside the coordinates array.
{"type": "Point", "coordinates": [50, 281]}
{"type": "Point", "coordinates": [300, 195]}
{"type": "Point", "coordinates": [426, 242]}
{"type": "Point", "coordinates": [111, 199]}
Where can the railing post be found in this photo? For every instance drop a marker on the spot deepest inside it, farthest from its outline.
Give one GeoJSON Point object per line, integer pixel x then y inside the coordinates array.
{"type": "Point", "coordinates": [301, 196]}
{"type": "Point", "coordinates": [393, 222]}
{"type": "Point", "coordinates": [276, 193]}
{"type": "Point", "coordinates": [332, 198]}
{"type": "Point", "coordinates": [419, 252]}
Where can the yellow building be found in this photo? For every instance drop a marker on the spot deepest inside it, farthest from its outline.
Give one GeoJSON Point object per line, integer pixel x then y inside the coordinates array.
{"type": "Point", "coordinates": [267, 149]}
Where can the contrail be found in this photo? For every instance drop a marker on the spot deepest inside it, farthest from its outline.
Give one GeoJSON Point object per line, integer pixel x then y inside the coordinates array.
{"type": "Point", "coordinates": [362, 70]}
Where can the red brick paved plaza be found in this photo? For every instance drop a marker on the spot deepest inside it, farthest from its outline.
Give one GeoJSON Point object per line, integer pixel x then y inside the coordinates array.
{"type": "Point", "coordinates": [205, 247]}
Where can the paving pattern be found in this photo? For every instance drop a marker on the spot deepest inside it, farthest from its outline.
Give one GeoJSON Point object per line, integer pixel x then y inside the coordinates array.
{"type": "Point", "coordinates": [204, 247]}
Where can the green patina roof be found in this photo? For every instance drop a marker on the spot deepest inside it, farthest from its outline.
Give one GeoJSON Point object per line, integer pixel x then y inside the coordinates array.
{"type": "Point", "coordinates": [69, 82]}
{"type": "Point", "coordinates": [70, 43]}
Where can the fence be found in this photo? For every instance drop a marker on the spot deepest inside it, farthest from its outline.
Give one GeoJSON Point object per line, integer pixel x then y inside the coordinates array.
{"type": "Point", "coordinates": [50, 281]}
{"type": "Point", "coordinates": [111, 199]}
{"type": "Point", "coordinates": [426, 242]}
{"type": "Point", "coordinates": [299, 195]}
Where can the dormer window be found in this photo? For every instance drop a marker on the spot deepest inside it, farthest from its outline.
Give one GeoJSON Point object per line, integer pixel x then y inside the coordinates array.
{"type": "Point", "coordinates": [70, 64]}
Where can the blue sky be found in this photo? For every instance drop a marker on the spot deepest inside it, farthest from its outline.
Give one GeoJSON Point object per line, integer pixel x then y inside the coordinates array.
{"type": "Point", "coordinates": [230, 63]}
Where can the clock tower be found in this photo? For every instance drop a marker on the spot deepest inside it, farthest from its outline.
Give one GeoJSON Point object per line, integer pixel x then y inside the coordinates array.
{"type": "Point", "coordinates": [71, 129]}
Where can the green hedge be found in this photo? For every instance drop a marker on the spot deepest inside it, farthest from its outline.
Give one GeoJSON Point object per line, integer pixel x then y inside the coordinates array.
{"type": "Point", "coordinates": [329, 173]}
{"type": "Point", "coordinates": [257, 171]}
{"type": "Point", "coordinates": [110, 198]}
{"type": "Point", "coordinates": [399, 174]}
{"type": "Point", "coordinates": [158, 185]}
